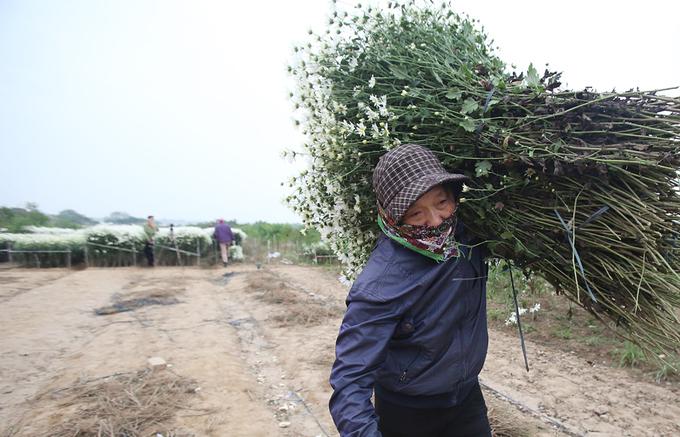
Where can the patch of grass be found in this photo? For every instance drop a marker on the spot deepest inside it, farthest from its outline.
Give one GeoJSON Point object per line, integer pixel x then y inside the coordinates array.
{"type": "Point", "coordinates": [667, 368]}
{"type": "Point", "coordinates": [495, 314]}
{"type": "Point", "coordinates": [596, 328]}
{"type": "Point", "coordinates": [595, 340]}
{"type": "Point", "coordinates": [668, 372]}
{"type": "Point", "coordinates": [528, 328]}
{"type": "Point", "coordinates": [563, 332]}
{"type": "Point", "coordinates": [630, 355]}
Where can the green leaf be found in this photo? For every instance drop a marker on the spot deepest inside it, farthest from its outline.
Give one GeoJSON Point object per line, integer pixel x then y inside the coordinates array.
{"type": "Point", "coordinates": [492, 102]}
{"type": "Point", "coordinates": [466, 71]}
{"type": "Point", "coordinates": [468, 124]}
{"type": "Point", "coordinates": [437, 78]}
{"type": "Point", "coordinates": [482, 168]}
{"type": "Point", "coordinates": [454, 94]}
{"type": "Point", "coordinates": [469, 106]}
{"type": "Point", "coordinates": [532, 77]}
{"type": "Point", "coordinates": [507, 235]}
{"type": "Point", "coordinates": [398, 72]}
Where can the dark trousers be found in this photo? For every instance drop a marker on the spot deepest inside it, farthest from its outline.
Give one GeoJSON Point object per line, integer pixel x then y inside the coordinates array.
{"type": "Point", "coordinates": [148, 251]}
{"type": "Point", "coordinates": [466, 419]}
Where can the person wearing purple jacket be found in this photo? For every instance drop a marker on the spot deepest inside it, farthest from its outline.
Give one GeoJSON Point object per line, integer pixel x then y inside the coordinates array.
{"type": "Point", "coordinates": [224, 237]}
{"type": "Point", "coordinates": [415, 330]}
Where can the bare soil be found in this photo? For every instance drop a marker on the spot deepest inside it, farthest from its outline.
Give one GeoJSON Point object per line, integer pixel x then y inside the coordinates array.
{"type": "Point", "coordinates": [249, 353]}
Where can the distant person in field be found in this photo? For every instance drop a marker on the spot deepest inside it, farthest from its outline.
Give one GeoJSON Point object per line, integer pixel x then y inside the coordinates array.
{"type": "Point", "coordinates": [415, 333]}
{"type": "Point", "coordinates": [224, 237]}
{"type": "Point", "coordinates": [150, 230]}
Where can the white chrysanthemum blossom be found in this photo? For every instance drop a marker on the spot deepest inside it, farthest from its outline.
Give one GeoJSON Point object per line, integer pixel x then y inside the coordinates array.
{"type": "Point", "coordinates": [512, 319]}
{"type": "Point", "coordinates": [371, 114]}
{"type": "Point", "coordinates": [339, 108]}
{"type": "Point", "coordinates": [371, 82]}
{"type": "Point", "coordinates": [361, 129]}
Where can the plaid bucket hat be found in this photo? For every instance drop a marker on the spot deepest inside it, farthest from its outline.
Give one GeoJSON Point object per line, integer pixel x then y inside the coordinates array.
{"type": "Point", "coordinates": [404, 174]}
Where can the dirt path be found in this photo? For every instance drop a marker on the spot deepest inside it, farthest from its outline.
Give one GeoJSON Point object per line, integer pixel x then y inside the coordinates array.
{"type": "Point", "coordinates": [589, 399]}
{"type": "Point", "coordinates": [259, 344]}
{"type": "Point", "coordinates": [58, 340]}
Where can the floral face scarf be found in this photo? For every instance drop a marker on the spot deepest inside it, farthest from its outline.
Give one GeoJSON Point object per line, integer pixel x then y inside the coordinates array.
{"type": "Point", "coordinates": [437, 242]}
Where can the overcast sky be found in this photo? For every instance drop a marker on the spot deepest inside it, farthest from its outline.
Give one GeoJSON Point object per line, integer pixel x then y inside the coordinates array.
{"type": "Point", "coordinates": [180, 108]}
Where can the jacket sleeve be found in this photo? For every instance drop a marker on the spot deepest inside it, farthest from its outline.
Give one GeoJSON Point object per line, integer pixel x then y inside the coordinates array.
{"type": "Point", "coordinates": [360, 349]}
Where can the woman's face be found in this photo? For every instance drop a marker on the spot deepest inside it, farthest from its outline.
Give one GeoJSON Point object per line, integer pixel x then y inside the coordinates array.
{"type": "Point", "coordinates": [431, 209]}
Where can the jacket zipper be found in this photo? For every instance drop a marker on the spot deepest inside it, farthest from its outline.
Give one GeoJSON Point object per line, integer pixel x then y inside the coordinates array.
{"type": "Point", "coordinates": [402, 377]}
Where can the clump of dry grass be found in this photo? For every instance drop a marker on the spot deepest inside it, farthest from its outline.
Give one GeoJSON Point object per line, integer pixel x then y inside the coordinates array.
{"type": "Point", "coordinates": [271, 290]}
{"type": "Point", "coordinates": [131, 404]}
{"type": "Point", "coordinates": [139, 299]}
{"type": "Point", "coordinates": [306, 314]}
{"type": "Point", "coordinates": [504, 425]}
{"type": "Point", "coordinates": [297, 307]}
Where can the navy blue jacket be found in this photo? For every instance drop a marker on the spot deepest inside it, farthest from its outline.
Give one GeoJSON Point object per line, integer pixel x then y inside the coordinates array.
{"type": "Point", "coordinates": [415, 331]}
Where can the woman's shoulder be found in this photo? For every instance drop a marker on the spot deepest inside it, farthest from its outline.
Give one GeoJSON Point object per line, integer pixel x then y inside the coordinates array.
{"type": "Point", "coordinates": [388, 253]}
{"type": "Point", "coordinates": [390, 272]}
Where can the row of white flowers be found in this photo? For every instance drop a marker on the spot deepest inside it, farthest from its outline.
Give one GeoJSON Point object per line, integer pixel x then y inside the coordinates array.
{"type": "Point", "coordinates": [38, 238]}
{"type": "Point", "coordinates": [43, 241]}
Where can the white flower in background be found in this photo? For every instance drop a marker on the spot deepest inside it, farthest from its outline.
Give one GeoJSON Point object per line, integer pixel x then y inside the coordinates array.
{"type": "Point", "coordinates": [53, 231]}
{"type": "Point", "coordinates": [236, 253]}
{"type": "Point", "coordinates": [242, 234]}
{"type": "Point", "coordinates": [371, 82]}
{"type": "Point", "coordinates": [465, 188]}
{"type": "Point", "coordinates": [122, 233]}
{"type": "Point", "coordinates": [512, 319]}
{"type": "Point", "coordinates": [43, 241]}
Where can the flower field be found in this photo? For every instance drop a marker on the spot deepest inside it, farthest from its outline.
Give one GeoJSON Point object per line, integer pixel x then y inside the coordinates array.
{"type": "Point", "coordinates": [112, 246]}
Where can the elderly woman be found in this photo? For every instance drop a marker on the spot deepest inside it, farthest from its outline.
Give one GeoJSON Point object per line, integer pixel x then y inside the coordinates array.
{"type": "Point", "coordinates": [415, 330]}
